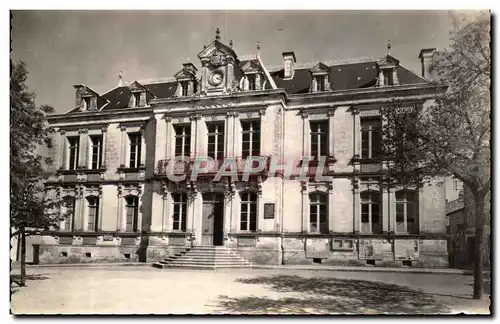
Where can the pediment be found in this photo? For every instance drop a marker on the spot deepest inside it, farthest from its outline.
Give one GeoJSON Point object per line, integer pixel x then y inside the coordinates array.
{"type": "Point", "coordinates": [320, 68]}
{"type": "Point", "coordinates": [251, 66]}
{"type": "Point", "coordinates": [184, 74]}
{"type": "Point", "coordinates": [216, 45]}
{"type": "Point", "coordinates": [136, 86]}
{"type": "Point", "coordinates": [388, 61]}
{"type": "Point", "coordinates": [87, 92]}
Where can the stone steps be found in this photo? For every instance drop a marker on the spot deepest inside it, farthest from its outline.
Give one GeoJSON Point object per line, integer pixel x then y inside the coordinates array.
{"type": "Point", "coordinates": [204, 257]}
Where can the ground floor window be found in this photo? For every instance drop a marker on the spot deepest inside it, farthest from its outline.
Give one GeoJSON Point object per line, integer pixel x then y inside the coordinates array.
{"type": "Point", "coordinates": [93, 213]}
{"type": "Point", "coordinates": [180, 211]}
{"type": "Point", "coordinates": [132, 207]}
{"type": "Point", "coordinates": [68, 211]}
{"type": "Point", "coordinates": [318, 213]}
{"type": "Point", "coordinates": [406, 212]}
{"type": "Point", "coordinates": [248, 214]}
{"type": "Point", "coordinates": [370, 212]}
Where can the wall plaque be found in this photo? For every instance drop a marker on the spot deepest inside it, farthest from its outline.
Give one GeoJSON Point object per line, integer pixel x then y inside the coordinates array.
{"type": "Point", "coordinates": [107, 238]}
{"type": "Point", "coordinates": [269, 211]}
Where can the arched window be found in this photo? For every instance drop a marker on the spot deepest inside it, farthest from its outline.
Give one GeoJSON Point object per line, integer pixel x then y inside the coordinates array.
{"type": "Point", "coordinates": [92, 212]}
{"type": "Point", "coordinates": [406, 212]}
{"type": "Point", "coordinates": [132, 208]}
{"type": "Point", "coordinates": [248, 212]}
{"type": "Point", "coordinates": [180, 211]}
{"type": "Point", "coordinates": [68, 212]}
{"type": "Point", "coordinates": [318, 213]}
{"type": "Point", "coordinates": [370, 212]}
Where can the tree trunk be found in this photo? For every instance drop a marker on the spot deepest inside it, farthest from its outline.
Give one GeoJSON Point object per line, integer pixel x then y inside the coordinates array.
{"type": "Point", "coordinates": [478, 246]}
{"type": "Point", "coordinates": [22, 281]}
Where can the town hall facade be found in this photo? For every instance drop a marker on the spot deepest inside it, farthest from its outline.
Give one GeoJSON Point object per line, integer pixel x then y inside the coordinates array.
{"type": "Point", "coordinates": [111, 156]}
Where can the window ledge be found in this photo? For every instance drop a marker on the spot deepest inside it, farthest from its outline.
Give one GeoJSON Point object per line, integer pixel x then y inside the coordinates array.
{"type": "Point", "coordinates": [130, 170]}
{"type": "Point", "coordinates": [81, 170]}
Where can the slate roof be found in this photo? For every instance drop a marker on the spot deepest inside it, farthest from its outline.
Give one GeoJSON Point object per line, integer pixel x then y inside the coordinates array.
{"type": "Point", "coordinates": [342, 77]}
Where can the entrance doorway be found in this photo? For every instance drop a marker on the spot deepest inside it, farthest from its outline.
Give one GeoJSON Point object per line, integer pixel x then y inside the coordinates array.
{"type": "Point", "coordinates": [213, 219]}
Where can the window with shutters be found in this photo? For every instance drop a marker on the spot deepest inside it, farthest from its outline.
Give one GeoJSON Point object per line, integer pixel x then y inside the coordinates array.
{"type": "Point", "coordinates": [370, 138]}
{"type": "Point", "coordinates": [250, 138]}
{"type": "Point", "coordinates": [180, 212]}
{"type": "Point", "coordinates": [318, 213]}
{"type": "Point", "coordinates": [248, 212]}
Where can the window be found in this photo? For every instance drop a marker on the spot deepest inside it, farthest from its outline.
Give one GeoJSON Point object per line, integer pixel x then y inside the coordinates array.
{"type": "Point", "coordinates": [135, 149]}
{"type": "Point", "coordinates": [74, 145]}
{"type": "Point", "coordinates": [370, 138]}
{"type": "Point", "coordinates": [318, 213]}
{"type": "Point", "coordinates": [182, 140]}
{"type": "Point", "coordinates": [180, 211]}
{"type": "Point", "coordinates": [184, 86]}
{"type": "Point", "coordinates": [406, 212]}
{"type": "Point", "coordinates": [320, 83]}
{"type": "Point", "coordinates": [370, 212]}
{"type": "Point", "coordinates": [93, 213]}
{"type": "Point", "coordinates": [248, 214]}
{"type": "Point", "coordinates": [252, 82]}
{"type": "Point", "coordinates": [388, 80]}
{"type": "Point", "coordinates": [96, 149]}
{"type": "Point", "coordinates": [68, 210]}
{"type": "Point", "coordinates": [319, 139]}
{"type": "Point", "coordinates": [137, 99]}
{"type": "Point", "coordinates": [86, 103]}
{"type": "Point", "coordinates": [216, 140]}
{"type": "Point", "coordinates": [132, 204]}
{"type": "Point", "coordinates": [250, 138]}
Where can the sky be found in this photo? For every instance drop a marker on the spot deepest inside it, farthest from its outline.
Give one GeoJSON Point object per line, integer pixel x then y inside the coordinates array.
{"type": "Point", "coordinates": [64, 48]}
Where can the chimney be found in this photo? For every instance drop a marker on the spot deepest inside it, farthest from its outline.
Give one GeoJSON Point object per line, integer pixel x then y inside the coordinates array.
{"type": "Point", "coordinates": [79, 88]}
{"type": "Point", "coordinates": [289, 62]}
{"type": "Point", "coordinates": [426, 55]}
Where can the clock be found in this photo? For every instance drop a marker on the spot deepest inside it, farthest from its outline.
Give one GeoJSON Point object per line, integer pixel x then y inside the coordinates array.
{"type": "Point", "coordinates": [216, 78]}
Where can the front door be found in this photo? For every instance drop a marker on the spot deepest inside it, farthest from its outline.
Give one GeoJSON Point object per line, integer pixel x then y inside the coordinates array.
{"type": "Point", "coordinates": [213, 219]}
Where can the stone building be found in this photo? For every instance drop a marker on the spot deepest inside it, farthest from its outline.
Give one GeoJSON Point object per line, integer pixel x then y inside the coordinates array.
{"type": "Point", "coordinates": [110, 155]}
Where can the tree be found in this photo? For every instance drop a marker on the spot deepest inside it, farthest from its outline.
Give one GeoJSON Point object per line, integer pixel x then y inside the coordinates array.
{"type": "Point", "coordinates": [31, 209]}
{"type": "Point", "coordinates": [451, 135]}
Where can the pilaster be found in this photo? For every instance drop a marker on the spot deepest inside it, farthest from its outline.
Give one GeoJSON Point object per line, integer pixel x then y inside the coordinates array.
{"type": "Point", "coordinates": [356, 207]}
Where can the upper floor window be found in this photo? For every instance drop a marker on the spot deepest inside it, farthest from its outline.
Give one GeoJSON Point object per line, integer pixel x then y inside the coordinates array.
{"type": "Point", "coordinates": [250, 138]}
{"type": "Point", "coordinates": [406, 212]}
{"type": "Point", "coordinates": [182, 140]}
{"type": "Point", "coordinates": [137, 99]}
{"type": "Point", "coordinates": [134, 149]}
{"type": "Point", "coordinates": [318, 213]}
{"type": "Point", "coordinates": [74, 146]}
{"type": "Point", "coordinates": [93, 213]}
{"type": "Point", "coordinates": [96, 149]}
{"type": "Point", "coordinates": [370, 138]}
{"type": "Point", "coordinates": [248, 213]}
{"type": "Point", "coordinates": [132, 207]}
{"type": "Point", "coordinates": [86, 103]}
{"type": "Point", "coordinates": [319, 138]}
{"type": "Point", "coordinates": [320, 82]}
{"type": "Point", "coordinates": [180, 211]}
{"type": "Point", "coordinates": [252, 82]}
{"type": "Point", "coordinates": [370, 212]}
{"type": "Point", "coordinates": [216, 140]}
{"type": "Point", "coordinates": [388, 77]}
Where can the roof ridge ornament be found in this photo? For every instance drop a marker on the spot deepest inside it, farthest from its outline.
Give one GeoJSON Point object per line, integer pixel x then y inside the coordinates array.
{"type": "Point", "coordinates": [217, 34]}
{"type": "Point", "coordinates": [389, 48]}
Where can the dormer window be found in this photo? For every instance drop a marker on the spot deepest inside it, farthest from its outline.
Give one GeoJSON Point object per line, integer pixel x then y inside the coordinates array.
{"type": "Point", "coordinates": [137, 99]}
{"type": "Point", "coordinates": [388, 77]}
{"type": "Point", "coordinates": [320, 83]}
{"type": "Point", "coordinates": [86, 103]}
{"type": "Point", "coordinates": [252, 84]}
{"type": "Point", "coordinates": [184, 86]}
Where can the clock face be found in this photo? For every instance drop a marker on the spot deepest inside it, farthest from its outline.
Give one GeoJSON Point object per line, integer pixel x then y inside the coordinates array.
{"type": "Point", "coordinates": [216, 78]}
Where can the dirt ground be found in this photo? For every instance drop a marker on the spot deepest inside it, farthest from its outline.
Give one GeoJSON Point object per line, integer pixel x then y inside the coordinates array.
{"type": "Point", "coordinates": [145, 290]}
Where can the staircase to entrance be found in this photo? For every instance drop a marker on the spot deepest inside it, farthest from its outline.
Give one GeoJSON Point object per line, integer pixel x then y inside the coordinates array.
{"type": "Point", "coordinates": [204, 257]}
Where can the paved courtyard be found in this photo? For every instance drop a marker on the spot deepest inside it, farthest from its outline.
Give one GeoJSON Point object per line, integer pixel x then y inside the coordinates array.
{"type": "Point", "coordinates": [145, 290]}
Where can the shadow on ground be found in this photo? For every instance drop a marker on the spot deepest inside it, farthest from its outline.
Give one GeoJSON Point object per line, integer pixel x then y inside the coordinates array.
{"type": "Point", "coordinates": [330, 295]}
{"type": "Point", "coordinates": [16, 280]}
